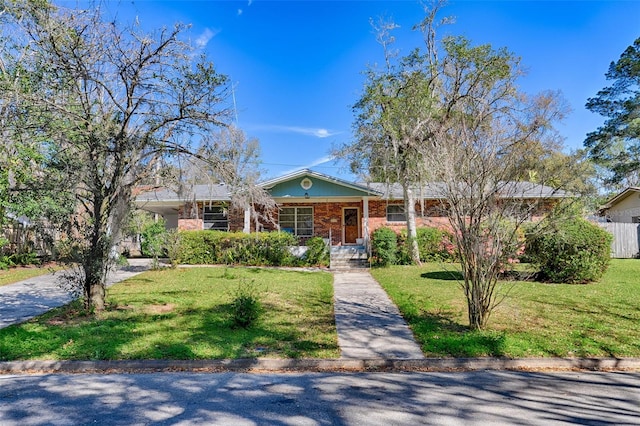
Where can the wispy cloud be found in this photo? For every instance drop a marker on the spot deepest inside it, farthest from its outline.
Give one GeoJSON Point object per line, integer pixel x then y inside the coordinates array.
{"type": "Point", "coordinates": [240, 11]}
{"type": "Point", "coordinates": [314, 163]}
{"type": "Point", "coordinates": [309, 131]}
{"type": "Point", "coordinates": [204, 38]}
{"type": "Point", "coordinates": [319, 161]}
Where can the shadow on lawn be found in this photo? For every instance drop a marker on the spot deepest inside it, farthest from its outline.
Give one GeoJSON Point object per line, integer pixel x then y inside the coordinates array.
{"type": "Point", "coordinates": [440, 335]}
{"type": "Point", "coordinates": [196, 333]}
{"type": "Point", "coordinates": [443, 275]}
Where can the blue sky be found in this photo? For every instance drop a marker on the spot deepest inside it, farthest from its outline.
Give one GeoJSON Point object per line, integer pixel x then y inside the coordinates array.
{"type": "Point", "coordinates": [297, 65]}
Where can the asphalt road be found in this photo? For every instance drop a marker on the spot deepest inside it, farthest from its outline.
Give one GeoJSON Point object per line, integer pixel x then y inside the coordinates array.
{"type": "Point", "coordinates": [485, 397]}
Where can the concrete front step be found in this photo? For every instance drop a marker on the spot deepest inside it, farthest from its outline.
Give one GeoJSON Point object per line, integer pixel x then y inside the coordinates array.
{"type": "Point", "coordinates": [350, 267]}
{"type": "Point", "coordinates": [345, 258]}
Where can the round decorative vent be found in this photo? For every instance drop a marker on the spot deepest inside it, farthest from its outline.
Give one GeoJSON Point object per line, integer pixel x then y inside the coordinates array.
{"type": "Point", "coordinates": [306, 183]}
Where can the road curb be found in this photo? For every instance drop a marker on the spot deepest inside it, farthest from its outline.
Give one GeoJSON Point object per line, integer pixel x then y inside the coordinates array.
{"type": "Point", "coordinates": [269, 365]}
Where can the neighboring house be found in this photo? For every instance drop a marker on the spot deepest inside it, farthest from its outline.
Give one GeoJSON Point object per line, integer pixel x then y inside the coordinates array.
{"type": "Point", "coordinates": [622, 216]}
{"type": "Point", "coordinates": [624, 207]}
{"type": "Point", "coordinates": [313, 204]}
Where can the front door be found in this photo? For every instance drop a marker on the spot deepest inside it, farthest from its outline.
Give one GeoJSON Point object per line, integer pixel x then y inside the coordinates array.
{"type": "Point", "coordinates": [351, 225]}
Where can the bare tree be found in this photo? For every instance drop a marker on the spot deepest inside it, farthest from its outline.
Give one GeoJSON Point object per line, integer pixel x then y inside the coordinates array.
{"type": "Point", "coordinates": [228, 157]}
{"type": "Point", "coordinates": [112, 102]}
{"type": "Point", "coordinates": [480, 127]}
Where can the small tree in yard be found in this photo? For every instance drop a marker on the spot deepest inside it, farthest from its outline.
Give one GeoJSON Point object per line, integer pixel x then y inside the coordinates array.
{"type": "Point", "coordinates": [112, 103]}
{"type": "Point", "coordinates": [471, 127]}
{"type": "Point", "coordinates": [480, 132]}
{"type": "Point", "coordinates": [153, 241]}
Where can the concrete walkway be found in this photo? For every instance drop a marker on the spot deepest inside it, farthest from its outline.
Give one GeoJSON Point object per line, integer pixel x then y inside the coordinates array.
{"type": "Point", "coordinates": [26, 299]}
{"type": "Point", "coordinates": [369, 324]}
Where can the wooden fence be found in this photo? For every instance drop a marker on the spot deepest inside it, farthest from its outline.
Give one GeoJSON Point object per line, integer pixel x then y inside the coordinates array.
{"type": "Point", "coordinates": [626, 239]}
{"type": "Point", "coordinates": [23, 239]}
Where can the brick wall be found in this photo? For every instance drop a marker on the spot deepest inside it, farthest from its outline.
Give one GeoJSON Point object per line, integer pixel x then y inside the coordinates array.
{"type": "Point", "coordinates": [431, 217]}
{"type": "Point", "coordinates": [190, 224]}
{"type": "Point", "coordinates": [236, 219]}
{"type": "Point", "coordinates": [328, 218]}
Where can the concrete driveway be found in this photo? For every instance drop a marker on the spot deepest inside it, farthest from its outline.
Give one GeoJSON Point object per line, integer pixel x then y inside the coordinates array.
{"type": "Point", "coordinates": [35, 296]}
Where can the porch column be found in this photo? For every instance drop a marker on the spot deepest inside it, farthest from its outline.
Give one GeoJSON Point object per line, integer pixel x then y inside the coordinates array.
{"type": "Point", "coordinates": [365, 220]}
{"type": "Point", "coordinates": [247, 221]}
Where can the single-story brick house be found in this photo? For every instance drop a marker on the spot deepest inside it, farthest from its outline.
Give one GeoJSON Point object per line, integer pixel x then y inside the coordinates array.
{"type": "Point", "coordinates": [313, 204]}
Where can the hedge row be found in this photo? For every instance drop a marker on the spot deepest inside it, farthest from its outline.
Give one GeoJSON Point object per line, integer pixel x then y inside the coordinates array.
{"type": "Point", "coordinates": [238, 248]}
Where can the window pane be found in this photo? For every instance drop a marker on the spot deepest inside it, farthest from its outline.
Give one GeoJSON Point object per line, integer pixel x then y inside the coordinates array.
{"type": "Point", "coordinates": [297, 220]}
{"type": "Point", "coordinates": [395, 213]}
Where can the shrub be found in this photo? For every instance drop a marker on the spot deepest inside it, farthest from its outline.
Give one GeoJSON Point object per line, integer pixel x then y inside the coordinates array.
{"type": "Point", "coordinates": [21, 258]}
{"type": "Point", "coordinates": [435, 245]}
{"type": "Point", "coordinates": [571, 251]}
{"type": "Point", "coordinates": [66, 250]}
{"type": "Point", "coordinates": [172, 246]}
{"type": "Point", "coordinates": [199, 247]}
{"type": "Point", "coordinates": [153, 237]}
{"type": "Point", "coordinates": [317, 252]}
{"type": "Point", "coordinates": [235, 248]}
{"type": "Point", "coordinates": [25, 258]}
{"type": "Point", "coordinates": [245, 306]}
{"type": "Point", "coordinates": [403, 256]}
{"type": "Point", "coordinates": [384, 245]}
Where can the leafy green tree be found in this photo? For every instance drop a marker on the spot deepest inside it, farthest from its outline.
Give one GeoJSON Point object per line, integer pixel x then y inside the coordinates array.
{"type": "Point", "coordinates": [615, 146]}
{"type": "Point", "coordinates": [389, 127]}
{"type": "Point", "coordinates": [459, 107]}
{"type": "Point", "coordinates": [113, 104]}
{"type": "Point", "coordinates": [21, 158]}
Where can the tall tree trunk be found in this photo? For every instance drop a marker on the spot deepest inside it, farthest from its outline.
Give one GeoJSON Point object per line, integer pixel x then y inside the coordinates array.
{"type": "Point", "coordinates": [95, 266]}
{"type": "Point", "coordinates": [412, 232]}
{"type": "Point", "coordinates": [96, 258]}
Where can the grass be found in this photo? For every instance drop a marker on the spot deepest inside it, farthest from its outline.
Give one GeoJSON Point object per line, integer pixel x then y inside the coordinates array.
{"type": "Point", "coordinates": [186, 314]}
{"type": "Point", "coordinates": [13, 275]}
{"type": "Point", "coordinates": [534, 319]}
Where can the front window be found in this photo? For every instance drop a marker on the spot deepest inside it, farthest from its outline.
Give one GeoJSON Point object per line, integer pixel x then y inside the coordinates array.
{"type": "Point", "coordinates": [297, 220]}
{"type": "Point", "coordinates": [215, 218]}
{"type": "Point", "coordinates": [396, 213]}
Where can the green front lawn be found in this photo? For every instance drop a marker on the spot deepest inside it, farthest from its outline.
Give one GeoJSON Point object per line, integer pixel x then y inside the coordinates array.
{"type": "Point", "coordinates": [535, 319]}
{"type": "Point", "coordinates": [185, 314]}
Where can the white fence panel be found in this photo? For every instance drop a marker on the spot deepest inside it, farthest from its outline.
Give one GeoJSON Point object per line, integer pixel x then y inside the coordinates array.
{"type": "Point", "coordinates": [626, 238]}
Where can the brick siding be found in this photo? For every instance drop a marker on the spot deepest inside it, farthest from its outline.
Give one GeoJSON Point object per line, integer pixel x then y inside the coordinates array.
{"type": "Point", "coordinates": [190, 224]}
